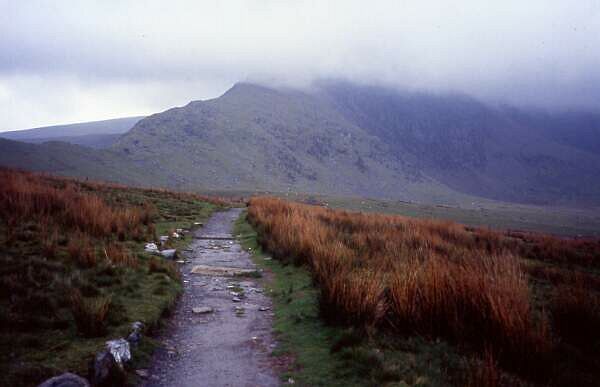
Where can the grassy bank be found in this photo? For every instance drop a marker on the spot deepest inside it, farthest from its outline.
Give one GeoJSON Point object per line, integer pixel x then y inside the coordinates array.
{"type": "Point", "coordinates": [73, 270]}
{"type": "Point", "coordinates": [314, 353]}
{"type": "Point", "coordinates": [519, 304]}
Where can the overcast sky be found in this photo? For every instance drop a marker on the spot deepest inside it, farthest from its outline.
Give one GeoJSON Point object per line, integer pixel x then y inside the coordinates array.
{"type": "Point", "coordinates": [71, 61]}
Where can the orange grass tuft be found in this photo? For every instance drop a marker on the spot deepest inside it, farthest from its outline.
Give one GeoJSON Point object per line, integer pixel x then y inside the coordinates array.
{"type": "Point", "coordinates": [26, 196]}
{"type": "Point", "coordinates": [433, 278]}
{"type": "Point", "coordinates": [117, 255]}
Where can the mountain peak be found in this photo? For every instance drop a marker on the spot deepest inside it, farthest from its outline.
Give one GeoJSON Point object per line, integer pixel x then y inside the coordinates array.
{"type": "Point", "coordinates": [247, 88]}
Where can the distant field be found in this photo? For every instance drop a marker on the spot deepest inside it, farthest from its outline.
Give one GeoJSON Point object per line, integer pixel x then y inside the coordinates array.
{"type": "Point", "coordinates": [505, 216]}
{"type": "Point", "coordinates": [486, 213]}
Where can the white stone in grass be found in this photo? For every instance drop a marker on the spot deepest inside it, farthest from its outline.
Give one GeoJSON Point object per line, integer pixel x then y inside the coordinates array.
{"type": "Point", "coordinates": [169, 254]}
{"type": "Point", "coordinates": [175, 235]}
{"type": "Point", "coordinates": [163, 238]}
{"type": "Point", "coordinates": [151, 247]}
{"type": "Point", "coordinates": [120, 350]}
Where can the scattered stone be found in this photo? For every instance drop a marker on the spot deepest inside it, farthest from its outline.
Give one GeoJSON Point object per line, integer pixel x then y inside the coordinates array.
{"type": "Point", "coordinates": [236, 294]}
{"type": "Point", "coordinates": [264, 308]}
{"type": "Point", "coordinates": [66, 380]}
{"type": "Point", "coordinates": [175, 235]}
{"type": "Point", "coordinates": [180, 261]}
{"type": "Point", "coordinates": [134, 337]}
{"type": "Point", "coordinates": [106, 371]}
{"type": "Point", "coordinates": [202, 310]}
{"type": "Point", "coordinates": [142, 373]}
{"type": "Point", "coordinates": [137, 326]}
{"type": "Point", "coordinates": [163, 238]}
{"type": "Point", "coordinates": [198, 224]}
{"type": "Point", "coordinates": [236, 299]}
{"type": "Point", "coordinates": [215, 289]}
{"type": "Point", "coordinates": [120, 350]}
{"type": "Point", "coordinates": [151, 248]}
{"type": "Point", "coordinates": [267, 258]}
{"type": "Point", "coordinates": [169, 254]}
{"type": "Point", "coordinates": [222, 271]}
{"type": "Point", "coordinates": [291, 381]}
{"type": "Point", "coordinates": [179, 230]}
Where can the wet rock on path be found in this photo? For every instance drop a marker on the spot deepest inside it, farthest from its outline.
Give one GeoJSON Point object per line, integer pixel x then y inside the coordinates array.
{"type": "Point", "coordinates": [229, 342]}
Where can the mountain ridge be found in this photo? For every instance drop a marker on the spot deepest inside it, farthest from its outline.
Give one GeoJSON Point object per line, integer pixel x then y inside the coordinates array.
{"type": "Point", "coordinates": [340, 138]}
{"type": "Point", "coordinates": [96, 134]}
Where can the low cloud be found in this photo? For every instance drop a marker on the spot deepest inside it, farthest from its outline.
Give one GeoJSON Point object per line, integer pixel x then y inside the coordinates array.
{"type": "Point", "coordinates": [73, 61]}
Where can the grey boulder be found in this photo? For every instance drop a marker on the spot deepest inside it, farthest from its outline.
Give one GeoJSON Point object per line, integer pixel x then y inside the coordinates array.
{"type": "Point", "coordinates": [66, 380]}
{"type": "Point", "coordinates": [169, 254]}
{"type": "Point", "coordinates": [105, 371]}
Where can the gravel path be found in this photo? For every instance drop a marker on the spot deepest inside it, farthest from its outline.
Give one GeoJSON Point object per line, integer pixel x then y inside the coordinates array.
{"type": "Point", "coordinates": [229, 346]}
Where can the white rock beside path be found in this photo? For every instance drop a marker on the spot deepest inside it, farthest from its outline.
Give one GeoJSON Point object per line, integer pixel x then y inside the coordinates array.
{"type": "Point", "coordinates": [66, 380]}
{"type": "Point", "coordinates": [151, 248]}
{"type": "Point", "coordinates": [169, 254]}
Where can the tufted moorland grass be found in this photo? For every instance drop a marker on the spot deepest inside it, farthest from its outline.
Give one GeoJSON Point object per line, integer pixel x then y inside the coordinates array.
{"type": "Point", "coordinates": [403, 277]}
{"type": "Point", "coordinates": [73, 271]}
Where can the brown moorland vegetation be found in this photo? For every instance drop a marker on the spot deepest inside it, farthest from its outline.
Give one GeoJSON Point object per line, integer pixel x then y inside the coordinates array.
{"type": "Point", "coordinates": [523, 301]}
{"type": "Point", "coordinates": [72, 268]}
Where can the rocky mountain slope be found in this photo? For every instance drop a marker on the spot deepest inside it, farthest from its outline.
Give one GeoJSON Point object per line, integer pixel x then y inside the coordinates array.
{"type": "Point", "coordinates": [499, 153]}
{"type": "Point", "coordinates": [344, 139]}
{"type": "Point", "coordinates": [258, 138]}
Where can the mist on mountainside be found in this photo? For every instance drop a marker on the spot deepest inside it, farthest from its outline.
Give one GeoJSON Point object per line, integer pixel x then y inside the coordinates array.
{"type": "Point", "coordinates": [341, 138]}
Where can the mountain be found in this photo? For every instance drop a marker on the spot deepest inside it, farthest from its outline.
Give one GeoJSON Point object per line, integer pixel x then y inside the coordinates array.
{"type": "Point", "coordinates": [346, 139]}
{"type": "Point", "coordinates": [95, 134]}
{"type": "Point", "coordinates": [514, 155]}
{"type": "Point", "coordinates": [255, 137]}
{"type": "Point", "coordinates": [74, 160]}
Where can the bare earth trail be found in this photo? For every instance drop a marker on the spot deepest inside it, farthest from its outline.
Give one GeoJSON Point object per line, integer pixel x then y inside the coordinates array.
{"type": "Point", "coordinates": [229, 346]}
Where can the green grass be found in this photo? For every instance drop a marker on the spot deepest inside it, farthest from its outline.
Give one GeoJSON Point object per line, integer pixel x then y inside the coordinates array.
{"type": "Point", "coordinates": [322, 355]}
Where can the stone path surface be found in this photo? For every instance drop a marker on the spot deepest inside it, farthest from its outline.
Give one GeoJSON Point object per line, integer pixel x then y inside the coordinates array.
{"type": "Point", "coordinates": [226, 340]}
